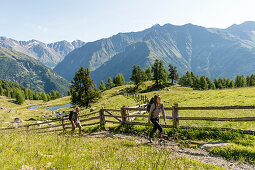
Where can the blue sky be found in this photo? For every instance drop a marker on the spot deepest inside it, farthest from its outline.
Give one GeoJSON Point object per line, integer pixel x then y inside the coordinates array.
{"type": "Point", "coordinates": [89, 20]}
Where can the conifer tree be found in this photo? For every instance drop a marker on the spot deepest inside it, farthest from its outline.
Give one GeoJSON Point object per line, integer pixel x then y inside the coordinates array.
{"type": "Point", "coordinates": [213, 86]}
{"type": "Point", "coordinates": [215, 81]}
{"type": "Point", "coordinates": [58, 95]}
{"type": "Point", "coordinates": [160, 74]}
{"type": "Point", "coordinates": [240, 81]}
{"type": "Point", "coordinates": [231, 84]}
{"type": "Point", "coordinates": [196, 83]}
{"type": "Point", "coordinates": [138, 76]}
{"type": "Point", "coordinates": [119, 80]}
{"type": "Point", "coordinates": [102, 86]}
{"type": "Point", "coordinates": [183, 81]}
{"type": "Point", "coordinates": [83, 91]}
{"type": "Point", "coordinates": [173, 75]}
{"type": "Point", "coordinates": [109, 83]}
{"type": "Point", "coordinates": [44, 97]}
{"type": "Point", "coordinates": [148, 72]}
{"type": "Point", "coordinates": [19, 96]}
{"type": "Point", "coordinates": [53, 95]}
{"type": "Point", "coordinates": [203, 83]}
{"type": "Point", "coordinates": [191, 78]}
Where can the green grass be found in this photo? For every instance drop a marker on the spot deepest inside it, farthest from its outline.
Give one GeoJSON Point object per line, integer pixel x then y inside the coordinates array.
{"type": "Point", "coordinates": [236, 152]}
{"type": "Point", "coordinates": [241, 148]}
{"type": "Point", "coordinates": [54, 151]}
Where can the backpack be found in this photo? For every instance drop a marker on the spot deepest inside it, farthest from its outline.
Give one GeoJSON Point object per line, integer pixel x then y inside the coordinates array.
{"type": "Point", "coordinates": [149, 104]}
{"type": "Point", "coordinates": [71, 115]}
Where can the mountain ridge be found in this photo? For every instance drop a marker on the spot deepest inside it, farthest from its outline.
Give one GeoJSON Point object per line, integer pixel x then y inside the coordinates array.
{"type": "Point", "coordinates": [205, 51]}
{"type": "Point", "coordinates": [29, 72]}
{"type": "Point", "coordinates": [49, 54]}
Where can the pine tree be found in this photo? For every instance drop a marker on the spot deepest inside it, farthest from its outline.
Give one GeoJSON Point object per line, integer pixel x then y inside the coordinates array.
{"type": "Point", "coordinates": [19, 96]}
{"type": "Point", "coordinates": [138, 76]}
{"type": "Point", "coordinates": [240, 81]}
{"type": "Point", "coordinates": [109, 83]}
{"type": "Point", "coordinates": [173, 73]}
{"type": "Point", "coordinates": [148, 72]}
{"type": "Point", "coordinates": [44, 97]}
{"type": "Point", "coordinates": [203, 83]}
{"type": "Point", "coordinates": [220, 83]}
{"type": "Point", "coordinates": [58, 95]}
{"type": "Point", "coordinates": [183, 81]}
{"type": "Point", "coordinates": [191, 78]}
{"type": "Point", "coordinates": [231, 84]}
{"type": "Point", "coordinates": [83, 91]}
{"type": "Point", "coordinates": [119, 80]}
{"type": "Point", "coordinates": [213, 86]}
{"type": "Point", "coordinates": [160, 74]}
{"type": "Point", "coordinates": [215, 81]}
{"type": "Point", "coordinates": [220, 86]}
{"type": "Point", "coordinates": [196, 83]}
{"type": "Point", "coordinates": [53, 95]}
{"type": "Point", "coordinates": [102, 86]}
{"type": "Point", "coordinates": [250, 80]}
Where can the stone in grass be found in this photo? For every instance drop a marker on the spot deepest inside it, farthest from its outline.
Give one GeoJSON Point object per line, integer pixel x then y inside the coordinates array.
{"type": "Point", "coordinates": [209, 145]}
{"type": "Point", "coordinates": [31, 119]}
{"type": "Point", "coordinates": [18, 120]}
{"type": "Point", "coordinates": [93, 109]}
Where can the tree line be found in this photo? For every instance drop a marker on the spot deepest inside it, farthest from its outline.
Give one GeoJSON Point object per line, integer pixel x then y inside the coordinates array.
{"type": "Point", "coordinates": [204, 82]}
{"type": "Point", "coordinates": [157, 72]}
{"type": "Point", "coordinates": [20, 93]}
{"type": "Point", "coordinates": [83, 91]}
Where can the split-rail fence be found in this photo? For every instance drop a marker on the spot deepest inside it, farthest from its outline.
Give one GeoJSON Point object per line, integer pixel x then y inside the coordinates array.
{"type": "Point", "coordinates": [129, 115]}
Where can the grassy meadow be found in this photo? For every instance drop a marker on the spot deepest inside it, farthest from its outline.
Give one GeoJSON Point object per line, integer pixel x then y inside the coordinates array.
{"type": "Point", "coordinates": [52, 151]}
{"type": "Point", "coordinates": [55, 153]}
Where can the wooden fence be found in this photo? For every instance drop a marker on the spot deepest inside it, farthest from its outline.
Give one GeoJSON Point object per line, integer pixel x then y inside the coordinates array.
{"type": "Point", "coordinates": [142, 98]}
{"type": "Point", "coordinates": [128, 115]}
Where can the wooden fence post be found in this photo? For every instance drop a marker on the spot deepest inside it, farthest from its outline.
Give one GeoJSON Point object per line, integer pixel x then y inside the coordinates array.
{"type": "Point", "coordinates": [102, 117]}
{"type": "Point", "coordinates": [28, 128]}
{"type": "Point", "coordinates": [63, 124]}
{"type": "Point", "coordinates": [175, 116]}
{"type": "Point", "coordinates": [123, 115]}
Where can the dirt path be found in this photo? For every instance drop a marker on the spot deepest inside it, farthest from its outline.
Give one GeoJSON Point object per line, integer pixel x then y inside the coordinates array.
{"type": "Point", "coordinates": [198, 154]}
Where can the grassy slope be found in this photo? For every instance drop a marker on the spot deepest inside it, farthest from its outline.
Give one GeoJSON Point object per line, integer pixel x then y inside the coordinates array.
{"type": "Point", "coordinates": [50, 151]}
{"type": "Point", "coordinates": [182, 96]}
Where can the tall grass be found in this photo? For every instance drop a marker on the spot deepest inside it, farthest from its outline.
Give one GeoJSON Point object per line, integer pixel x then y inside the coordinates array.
{"type": "Point", "coordinates": [54, 151]}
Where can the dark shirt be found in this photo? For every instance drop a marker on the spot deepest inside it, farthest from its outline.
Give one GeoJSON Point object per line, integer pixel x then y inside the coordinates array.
{"type": "Point", "coordinates": [75, 116]}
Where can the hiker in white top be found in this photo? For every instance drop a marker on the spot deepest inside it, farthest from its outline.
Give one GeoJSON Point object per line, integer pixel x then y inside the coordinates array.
{"type": "Point", "coordinates": [154, 116]}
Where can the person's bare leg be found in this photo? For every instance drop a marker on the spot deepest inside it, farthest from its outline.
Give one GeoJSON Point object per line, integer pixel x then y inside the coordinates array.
{"type": "Point", "coordinates": [79, 129]}
{"type": "Point", "coordinates": [73, 128]}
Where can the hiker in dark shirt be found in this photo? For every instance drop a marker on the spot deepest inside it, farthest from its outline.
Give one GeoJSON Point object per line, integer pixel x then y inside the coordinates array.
{"type": "Point", "coordinates": [76, 120]}
{"type": "Point", "coordinates": [154, 116]}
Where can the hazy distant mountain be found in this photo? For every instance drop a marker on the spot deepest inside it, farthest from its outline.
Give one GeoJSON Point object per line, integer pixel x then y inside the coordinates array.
{"type": "Point", "coordinates": [205, 51]}
{"type": "Point", "coordinates": [28, 72]}
{"type": "Point", "coordinates": [49, 54]}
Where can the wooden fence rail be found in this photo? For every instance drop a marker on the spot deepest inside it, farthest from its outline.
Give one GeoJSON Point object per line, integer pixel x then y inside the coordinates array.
{"type": "Point", "coordinates": [127, 115]}
{"type": "Point", "coordinates": [142, 98]}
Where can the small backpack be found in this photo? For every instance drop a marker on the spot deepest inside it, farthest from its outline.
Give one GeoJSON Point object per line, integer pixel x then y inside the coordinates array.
{"type": "Point", "coordinates": [149, 104]}
{"type": "Point", "coordinates": [70, 115]}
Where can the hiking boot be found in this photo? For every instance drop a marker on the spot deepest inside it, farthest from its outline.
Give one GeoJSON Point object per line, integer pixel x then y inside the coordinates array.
{"type": "Point", "coordinates": [159, 134]}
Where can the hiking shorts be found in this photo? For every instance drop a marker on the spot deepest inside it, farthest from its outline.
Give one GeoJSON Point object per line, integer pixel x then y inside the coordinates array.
{"type": "Point", "coordinates": [77, 124]}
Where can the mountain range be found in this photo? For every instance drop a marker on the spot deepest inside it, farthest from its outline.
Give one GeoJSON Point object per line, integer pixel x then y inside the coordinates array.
{"type": "Point", "coordinates": [205, 51]}
{"type": "Point", "coordinates": [29, 72]}
{"type": "Point", "coordinates": [48, 54]}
